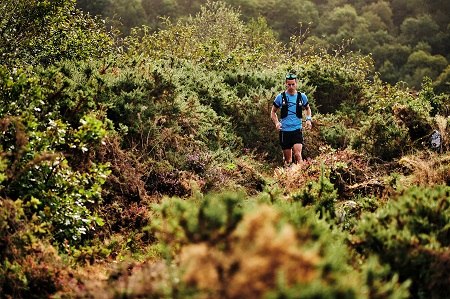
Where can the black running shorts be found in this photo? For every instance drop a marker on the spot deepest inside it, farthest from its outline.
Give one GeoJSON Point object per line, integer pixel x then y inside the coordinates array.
{"type": "Point", "coordinates": [288, 139]}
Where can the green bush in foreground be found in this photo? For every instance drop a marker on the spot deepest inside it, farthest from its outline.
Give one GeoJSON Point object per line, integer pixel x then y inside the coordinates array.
{"type": "Point", "coordinates": [411, 233]}
{"type": "Point", "coordinates": [231, 246]}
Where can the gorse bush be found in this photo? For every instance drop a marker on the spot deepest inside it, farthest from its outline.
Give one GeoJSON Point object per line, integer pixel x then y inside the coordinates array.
{"type": "Point", "coordinates": [231, 246]}
{"type": "Point", "coordinates": [381, 137]}
{"type": "Point", "coordinates": [407, 126]}
{"type": "Point", "coordinates": [337, 81]}
{"type": "Point", "coordinates": [334, 132]}
{"type": "Point", "coordinates": [411, 234]}
{"type": "Point", "coordinates": [321, 194]}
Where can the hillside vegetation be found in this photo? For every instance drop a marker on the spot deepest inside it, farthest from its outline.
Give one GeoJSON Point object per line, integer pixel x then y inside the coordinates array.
{"type": "Point", "coordinates": [148, 166]}
{"type": "Point", "coordinates": [408, 40]}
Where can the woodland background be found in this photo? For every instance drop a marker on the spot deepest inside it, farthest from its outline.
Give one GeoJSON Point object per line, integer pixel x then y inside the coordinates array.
{"type": "Point", "coordinates": [141, 162]}
{"type": "Point", "coordinates": [407, 39]}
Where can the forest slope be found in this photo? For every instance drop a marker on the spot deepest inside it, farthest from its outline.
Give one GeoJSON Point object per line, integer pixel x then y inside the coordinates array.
{"type": "Point", "coordinates": [408, 40]}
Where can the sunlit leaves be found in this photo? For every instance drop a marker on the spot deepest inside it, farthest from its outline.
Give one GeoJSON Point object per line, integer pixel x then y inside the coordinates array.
{"type": "Point", "coordinates": [68, 204]}
{"type": "Point", "coordinates": [215, 37]}
{"type": "Point", "coordinates": [33, 168]}
{"type": "Point", "coordinates": [42, 32]}
{"type": "Point", "coordinates": [91, 129]}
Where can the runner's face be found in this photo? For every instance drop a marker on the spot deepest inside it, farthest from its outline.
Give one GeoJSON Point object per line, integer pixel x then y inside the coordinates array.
{"type": "Point", "coordinates": [291, 85]}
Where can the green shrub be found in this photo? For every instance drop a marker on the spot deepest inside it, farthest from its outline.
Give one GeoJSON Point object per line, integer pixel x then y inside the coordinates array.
{"type": "Point", "coordinates": [30, 267]}
{"type": "Point", "coordinates": [321, 194]}
{"type": "Point", "coordinates": [60, 193]}
{"type": "Point", "coordinates": [230, 245]}
{"type": "Point", "coordinates": [212, 219]}
{"type": "Point", "coordinates": [336, 81]}
{"type": "Point", "coordinates": [381, 137]}
{"type": "Point", "coordinates": [215, 38]}
{"type": "Point", "coordinates": [334, 132]}
{"type": "Point", "coordinates": [395, 113]}
{"type": "Point", "coordinates": [62, 199]}
{"type": "Point", "coordinates": [42, 32]}
{"type": "Point", "coordinates": [411, 234]}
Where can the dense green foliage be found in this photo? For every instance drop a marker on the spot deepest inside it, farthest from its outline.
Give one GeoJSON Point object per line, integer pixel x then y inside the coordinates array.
{"type": "Point", "coordinates": [411, 234]}
{"type": "Point", "coordinates": [408, 40]}
{"type": "Point", "coordinates": [47, 31]}
{"type": "Point", "coordinates": [147, 166]}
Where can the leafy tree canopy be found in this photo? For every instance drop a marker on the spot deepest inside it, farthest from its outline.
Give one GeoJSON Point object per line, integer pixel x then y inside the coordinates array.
{"type": "Point", "coordinates": [42, 32]}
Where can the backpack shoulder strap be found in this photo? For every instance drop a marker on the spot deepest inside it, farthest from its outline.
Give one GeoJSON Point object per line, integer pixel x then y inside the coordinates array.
{"type": "Point", "coordinates": [284, 105]}
{"type": "Point", "coordinates": [284, 100]}
{"type": "Point", "coordinates": [299, 105]}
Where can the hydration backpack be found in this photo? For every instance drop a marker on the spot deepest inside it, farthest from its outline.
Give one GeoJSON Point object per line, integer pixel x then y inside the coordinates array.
{"type": "Point", "coordinates": [285, 105]}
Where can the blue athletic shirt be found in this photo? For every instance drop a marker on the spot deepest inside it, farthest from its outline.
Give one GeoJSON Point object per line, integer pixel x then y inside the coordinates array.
{"type": "Point", "coordinates": [291, 122]}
